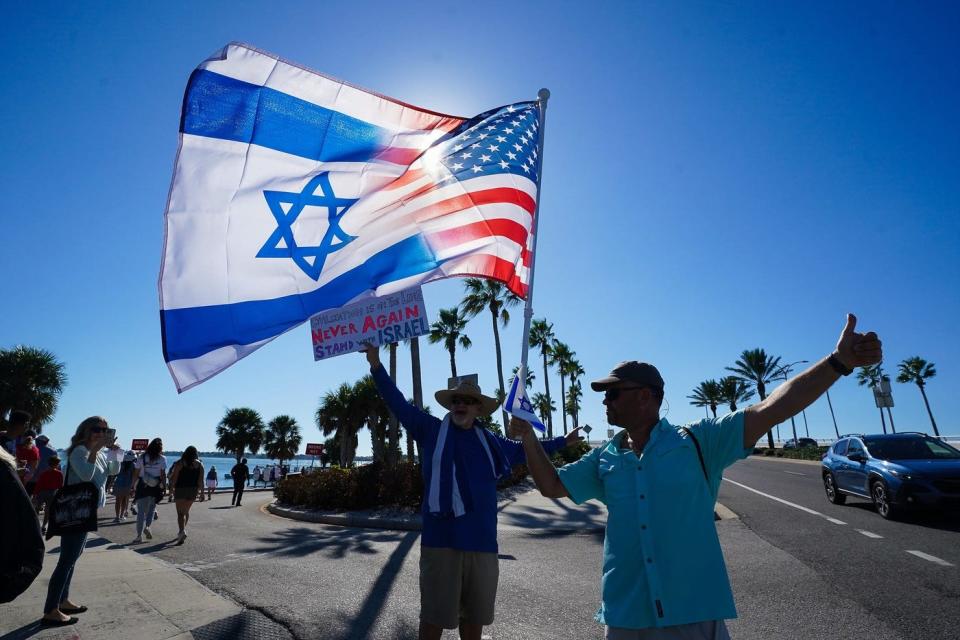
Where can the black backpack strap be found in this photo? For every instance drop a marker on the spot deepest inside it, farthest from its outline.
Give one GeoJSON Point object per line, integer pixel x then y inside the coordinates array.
{"type": "Point", "coordinates": [696, 444]}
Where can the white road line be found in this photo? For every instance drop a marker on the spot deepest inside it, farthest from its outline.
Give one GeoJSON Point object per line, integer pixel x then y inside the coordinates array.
{"type": "Point", "coordinates": [794, 473]}
{"type": "Point", "coordinates": [789, 504]}
{"type": "Point", "coordinates": [870, 534]}
{"type": "Point", "coordinates": [930, 558]}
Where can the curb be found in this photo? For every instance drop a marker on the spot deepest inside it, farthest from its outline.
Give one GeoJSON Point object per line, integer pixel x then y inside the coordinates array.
{"type": "Point", "coordinates": [721, 512]}
{"type": "Point", "coordinates": [412, 523]}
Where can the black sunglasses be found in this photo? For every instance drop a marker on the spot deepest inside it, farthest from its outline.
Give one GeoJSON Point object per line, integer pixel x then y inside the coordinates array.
{"type": "Point", "coordinates": [467, 400]}
{"type": "Point", "coordinates": [98, 429]}
{"type": "Point", "coordinates": [613, 394]}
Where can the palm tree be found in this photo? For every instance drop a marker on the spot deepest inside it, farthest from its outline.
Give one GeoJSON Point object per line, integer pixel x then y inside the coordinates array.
{"type": "Point", "coordinates": [282, 438]}
{"type": "Point", "coordinates": [394, 429]}
{"type": "Point", "coordinates": [414, 344]}
{"type": "Point", "coordinates": [734, 390]}
{"type": "Point", "coordinates": [449, 330]}
{"type": "Point", "coordinates": [32, 380]}
{"type": "Point", "coordinates": [240, 429]}
{"type": "Point", "coordinates": [494, 296]}
{"type": "Point", "coordinates": [871, 376]}
{"type": "Point", "coordinates": [528, 379]}
{"type": "Point", "coordinates": [917, 370]}
{"type": "Point", "coordinates": [758, 369]}
{"type": "Point", "coordinates": [340, 413]}
{"type": "Point", "coordinates": [707, 394]}
{"type": "Point", "coordinates": [541, 336]}
{"type": "Point", "coordinates": [376, 415]}
{"type": "Point", "coordinates": [562, 355]}
{"type": "Point", "coordinates": [542, 403]}
{"type": "Point", "coordinates": [574, 394]}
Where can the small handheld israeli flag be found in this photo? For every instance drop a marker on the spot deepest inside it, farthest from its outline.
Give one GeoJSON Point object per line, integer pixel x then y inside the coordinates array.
{"type": "Point", "coordinates": [517, 403]}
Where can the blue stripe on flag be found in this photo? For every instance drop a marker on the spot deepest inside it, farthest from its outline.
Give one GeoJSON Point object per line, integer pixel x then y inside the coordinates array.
{"type": "Point", "coordinates": [217, 106]}
{"type": "Point", "coordinates": [194, 331]}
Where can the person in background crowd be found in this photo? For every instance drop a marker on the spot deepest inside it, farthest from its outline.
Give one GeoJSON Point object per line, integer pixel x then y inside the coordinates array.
{"type": "Point", "coordinates": [29, 457]}
{"type": "Point", "coordinates": [211, 482]}
{"type": "Point", "coordinates": [149, 480]}
{"type": "Point", "coordinates": [187, 482]}
{"type": "Point", "coordinates": [86, 462]}
{"type": "Point", "coordinates": [240, 474]}
{"type": "Point", "coordinates": [17, 425]}
{"type": "Point", "coordinates": [46, 452]}
{"type": "Point", "coordinates": [257, 476]}
{"type": "Point", "coordinates": [21, 543]}
{"type": "Point", "coordinates": [123, 486]}
{"type": "Point", "coordinates": [115, 455]}
{"type": "Point", "coordinates": [49, 480]}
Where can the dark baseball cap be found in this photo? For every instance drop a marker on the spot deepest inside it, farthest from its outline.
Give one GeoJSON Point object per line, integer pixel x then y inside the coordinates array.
{"type": "Point", "coordinates": [639, 373]}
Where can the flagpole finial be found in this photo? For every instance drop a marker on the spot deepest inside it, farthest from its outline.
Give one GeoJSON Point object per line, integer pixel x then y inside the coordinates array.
{"type": "Point", "coordinates": [544, 94]}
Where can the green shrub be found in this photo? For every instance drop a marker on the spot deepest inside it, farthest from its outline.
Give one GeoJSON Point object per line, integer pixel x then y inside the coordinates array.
{"type": "Point", "coordinates": [768, 452]}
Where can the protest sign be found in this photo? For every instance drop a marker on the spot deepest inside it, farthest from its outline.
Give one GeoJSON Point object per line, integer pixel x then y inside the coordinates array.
{"type": "Point", "coordinates": [139, 444]}
{"type": "Point", "coordinates": [381, 320]}
{"type": "Point", "coordinates": [314, 449]}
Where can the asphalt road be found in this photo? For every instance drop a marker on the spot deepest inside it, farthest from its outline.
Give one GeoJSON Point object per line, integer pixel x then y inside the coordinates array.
{"type": "Point", "coordinates": [332, 582]}
{"type": "Point", "coordinates": [905, 573]}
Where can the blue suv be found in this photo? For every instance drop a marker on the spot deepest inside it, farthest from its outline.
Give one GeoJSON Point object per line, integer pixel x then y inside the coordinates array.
{"type": "Point", "coordinates": [894, 471]}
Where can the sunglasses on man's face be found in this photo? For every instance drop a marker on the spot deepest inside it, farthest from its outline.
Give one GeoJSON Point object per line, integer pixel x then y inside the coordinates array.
{"type": "Point", "coordinates": [464, 400]}
{"type": "Point", "coordinates": [612, 394]}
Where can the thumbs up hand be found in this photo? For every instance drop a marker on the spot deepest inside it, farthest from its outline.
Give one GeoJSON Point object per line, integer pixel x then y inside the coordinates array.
{"type": "Point", "coordinates": [858, 349]}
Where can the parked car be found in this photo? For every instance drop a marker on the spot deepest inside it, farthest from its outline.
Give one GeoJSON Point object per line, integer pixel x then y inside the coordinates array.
{"type": "Point", "coordinates": [800, 443]}
{"type": "Point", "coordinates": [895, 471]}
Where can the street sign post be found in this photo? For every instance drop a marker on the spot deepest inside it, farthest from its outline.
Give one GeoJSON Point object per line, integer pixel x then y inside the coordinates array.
{"type": "Point", "coordinates": [314, 449]}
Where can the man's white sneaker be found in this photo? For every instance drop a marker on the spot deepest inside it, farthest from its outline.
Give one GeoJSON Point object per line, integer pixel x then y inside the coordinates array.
{"type": "Point", "coordinates": [137, 540]}
{"type": "Point", "coordinates": [147, 533]}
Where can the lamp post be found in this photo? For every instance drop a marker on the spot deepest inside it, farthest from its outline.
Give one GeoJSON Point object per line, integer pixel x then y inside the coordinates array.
{"type": "Point", "coordinates": [832, 417]}
{"type": "Point", "coordinates": [785, 371]}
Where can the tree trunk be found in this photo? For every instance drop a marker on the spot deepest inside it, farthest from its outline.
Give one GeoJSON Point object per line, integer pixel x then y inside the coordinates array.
{"type": "Point", "coordinates": [933, 422]}
{"type": "Point", "coordinates": [393, 439]}
{"type": "Point", "coordinates": [713, 408]}
{"type": "Point", "coordinates": [762, 392]}
{"type": "Point", "coordinates": [563, 400]}
{"type": "Point", "coordinates": [793, 425]}
{"type": "Point", "coordinates": [417, 390]}
{"type": "Point", "coordinates": [453, 363]}
{"type": "Point", "coordinates": [496, 340]}
{"type": "Point", "coordinates": [546, 385]}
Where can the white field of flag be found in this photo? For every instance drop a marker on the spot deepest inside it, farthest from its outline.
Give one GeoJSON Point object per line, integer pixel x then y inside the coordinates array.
{"type": "Point", "coordinates": [517, 404]}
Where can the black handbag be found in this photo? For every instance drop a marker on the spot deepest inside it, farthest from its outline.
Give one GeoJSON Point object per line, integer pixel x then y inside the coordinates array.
{"type": "Point", "coordinates": [73, 508]}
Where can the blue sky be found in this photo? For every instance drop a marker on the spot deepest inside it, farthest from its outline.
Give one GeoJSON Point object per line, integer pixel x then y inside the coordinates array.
{"type": "Point", "coordinates": [717, 176]}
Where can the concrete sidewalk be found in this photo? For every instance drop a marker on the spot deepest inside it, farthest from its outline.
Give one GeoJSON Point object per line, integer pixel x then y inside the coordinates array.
{"type": "Point", "coordinates": [129, 595]}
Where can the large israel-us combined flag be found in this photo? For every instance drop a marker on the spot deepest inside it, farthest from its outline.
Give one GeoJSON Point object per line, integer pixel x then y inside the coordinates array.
{"type": "Point", "coordinates": [294, 193]}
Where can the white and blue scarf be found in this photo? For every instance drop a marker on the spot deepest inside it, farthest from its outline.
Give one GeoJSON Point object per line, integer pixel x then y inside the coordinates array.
{"type": "Point", "coordinates": [449, 492]}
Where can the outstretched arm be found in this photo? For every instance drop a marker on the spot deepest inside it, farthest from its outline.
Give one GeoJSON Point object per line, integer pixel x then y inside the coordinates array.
{"type": "Point", "coordinates": [543, 472]}
{"type": "Point", "coordinates": [409, 416]}
{"type": "Point", "coordinates": [853, 350]}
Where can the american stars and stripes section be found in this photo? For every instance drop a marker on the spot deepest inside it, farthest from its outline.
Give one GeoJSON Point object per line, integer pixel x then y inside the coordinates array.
{"type": "Point", "coordinates": [294, 193]}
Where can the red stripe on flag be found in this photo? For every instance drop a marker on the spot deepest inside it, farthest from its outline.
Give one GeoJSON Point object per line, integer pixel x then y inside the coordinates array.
{"type": "Point", "coordinates": [399, 155]}
{"type": "Point", "coordinates": [502, 195]}
{"type": "Point", "coordinates": [485, 229]}
{"type": "Point", "coordinates": [412, 175]}
{"type": "Point", "coordinates": [486, 266]}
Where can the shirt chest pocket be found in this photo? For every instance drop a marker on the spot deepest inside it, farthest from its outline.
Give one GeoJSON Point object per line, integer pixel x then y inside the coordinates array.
{"type": "Point", "coordinates": [678, 474]}
{"type": "Point", "coordinates": [619, 479]}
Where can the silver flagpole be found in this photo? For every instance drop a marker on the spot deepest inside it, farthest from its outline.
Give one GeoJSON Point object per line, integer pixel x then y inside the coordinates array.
{"type": "Point", "coordinates": [542, 96]}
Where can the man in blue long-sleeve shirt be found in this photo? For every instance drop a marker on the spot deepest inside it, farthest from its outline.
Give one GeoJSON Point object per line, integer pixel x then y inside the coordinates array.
{"type": "Point", "coordinates": [461, 464]}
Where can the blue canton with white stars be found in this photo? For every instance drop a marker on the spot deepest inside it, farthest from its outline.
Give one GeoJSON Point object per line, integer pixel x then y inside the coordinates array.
{"type": "Point", "coordinates": [502, 140]}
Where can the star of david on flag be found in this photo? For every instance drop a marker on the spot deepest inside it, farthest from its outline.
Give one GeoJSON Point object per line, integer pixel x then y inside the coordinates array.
{"type": "Point", "coordinates": [294, 193]}
{"type": "Point", "coordinates": [517, 404]}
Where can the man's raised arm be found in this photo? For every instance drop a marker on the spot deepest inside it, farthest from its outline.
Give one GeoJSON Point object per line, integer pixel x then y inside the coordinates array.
{"type": "Point", "coordinates": [409, 416]}
{"type": "Point", "coordinates": [853, 350]}
{"type": "Point", "coordinates": [543, 472]}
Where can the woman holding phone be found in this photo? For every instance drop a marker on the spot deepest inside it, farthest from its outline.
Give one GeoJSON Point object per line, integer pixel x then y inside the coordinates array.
{"type": "Point", "coordinates": [86, 462]}
{"type": "Point", "coordinates": [187, 481]}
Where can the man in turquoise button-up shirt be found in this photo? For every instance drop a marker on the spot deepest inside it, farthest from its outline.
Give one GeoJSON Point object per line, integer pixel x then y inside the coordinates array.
{"type": "Point", "coordinates": [663, 570]}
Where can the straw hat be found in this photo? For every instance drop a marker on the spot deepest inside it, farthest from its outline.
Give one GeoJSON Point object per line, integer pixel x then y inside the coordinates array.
{"type": "Point", "coordinates": [487, 404]}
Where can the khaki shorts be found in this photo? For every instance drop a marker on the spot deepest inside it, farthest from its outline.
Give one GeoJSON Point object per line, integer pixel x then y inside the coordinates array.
{"type": "Point", "coordinates": [457, 586]}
